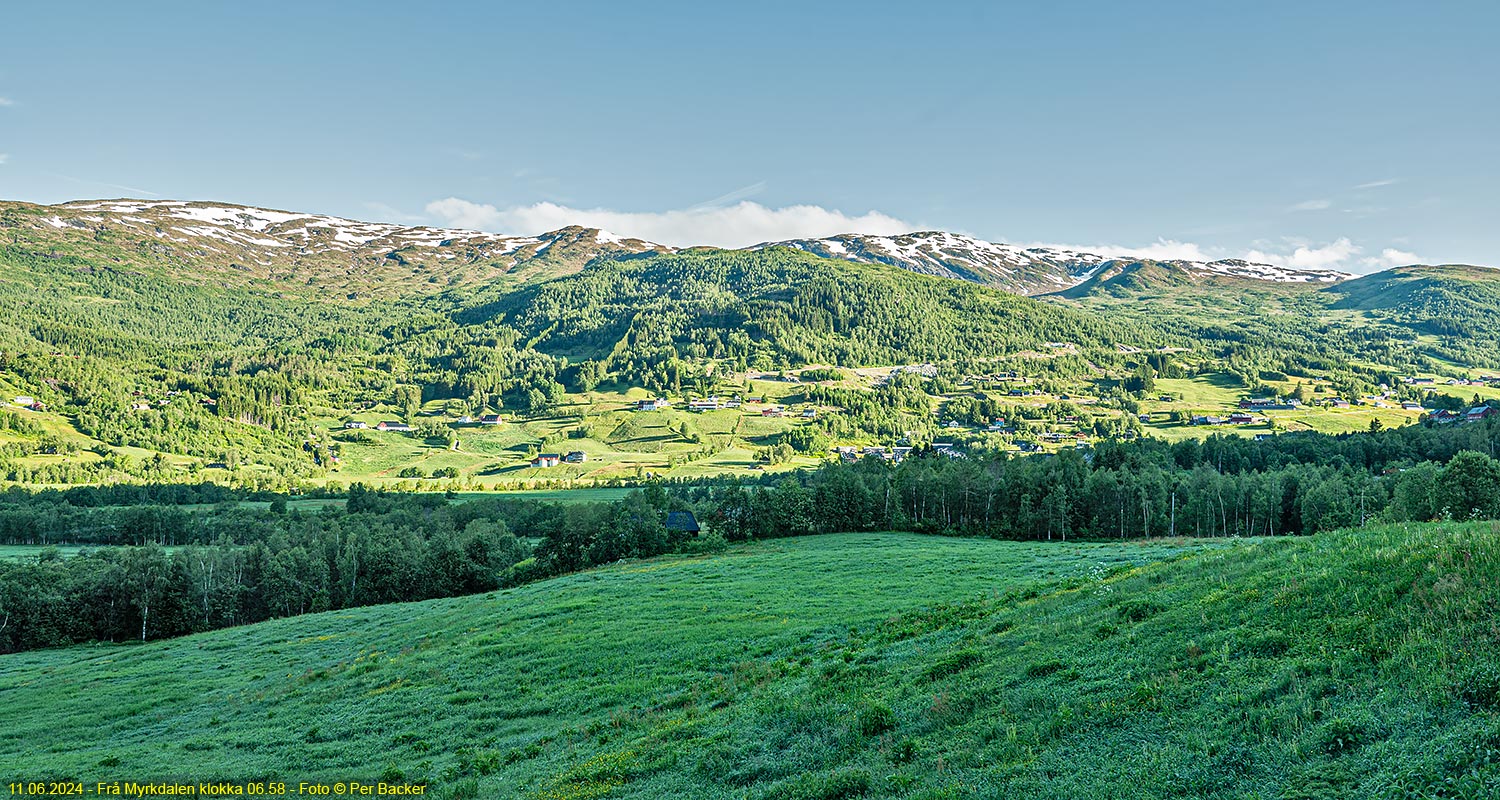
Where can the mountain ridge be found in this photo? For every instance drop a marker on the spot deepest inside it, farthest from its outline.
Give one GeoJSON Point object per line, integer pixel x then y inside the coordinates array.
{"type": "Point", "coordinates": [1028, 270]}
{"type": "Point", "coordinates": [285, 246]}
{"type": "Point", "coordinates": [249, 245]}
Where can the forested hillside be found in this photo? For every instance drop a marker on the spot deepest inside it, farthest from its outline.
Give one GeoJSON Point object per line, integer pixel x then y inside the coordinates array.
{"type": "Point", "coordinates": [780, 307]}
{"type": "Point", "coordinates": [169, 341]}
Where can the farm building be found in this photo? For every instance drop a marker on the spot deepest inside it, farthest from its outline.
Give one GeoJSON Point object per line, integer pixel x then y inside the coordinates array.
{"type": "Point", "coordinates": [545, 460]}
{"type": "Point", "coordinates": [682, 522]}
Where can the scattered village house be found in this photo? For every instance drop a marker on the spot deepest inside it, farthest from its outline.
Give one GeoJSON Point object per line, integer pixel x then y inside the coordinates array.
{"type": "Point", "coordinates": [392, 425]}
{"type": "Point", "coordinates": [490, 419]}
{"type": "Point", "coordinates": [355, 424]}
{"type": "Point", "coordinates": [654, 404]}
{"type": "Point", "coordinates": [704, 404]}
{"type": "Point", "coordinates": [1270, 404]}
{"type": "Point", "coordinates": [576, 457]}
{"type": "Point", "coordinates": [1478, 413]}
{"type": "Point", "coordinates": [545, 460]}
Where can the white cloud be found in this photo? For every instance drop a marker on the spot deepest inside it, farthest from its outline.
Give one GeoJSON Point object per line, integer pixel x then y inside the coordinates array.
{"type": "Point", "coordinates": [1378, 184]}
{"type": "Point", "coordinates": [4, 157]}
{"type": "Point", "coordinates": [1160, 250]}
{"type": "Point", "coordinates": [1311, 205]}
{"type": "Point", "coordinates": [739, 225]}
{"type": "Point", "coordinates": [745, 223]}
{"type": "Point", "coordinates": [1391, 257]}
{"type": "Point", "coordinates": [1291, 254]}
{"type": "Point", "coordinates": [1329, 256]}
{"type": "Point", "coordinates": [6, 101]}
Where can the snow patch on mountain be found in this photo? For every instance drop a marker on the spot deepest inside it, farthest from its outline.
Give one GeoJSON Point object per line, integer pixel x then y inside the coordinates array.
{"type": "Point", "coordinates": [1015, 268]}
{"type": "Point", "coordinates": [259, 234]}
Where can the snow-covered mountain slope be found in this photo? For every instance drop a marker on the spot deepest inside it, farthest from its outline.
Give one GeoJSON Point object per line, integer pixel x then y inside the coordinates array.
{"type": "Point", "coordinates": [1009, 267]}
{"type": "Point", "coordinates": [1239, 268]}
{"type": "Point", "coordinates": [317, 252]}
{"type": "Point", "coordinates": [314, 249]}
{"type": "Point", "coordinates": [246, 227]}
{"type": "Point", "coordinates": [1023, 270]}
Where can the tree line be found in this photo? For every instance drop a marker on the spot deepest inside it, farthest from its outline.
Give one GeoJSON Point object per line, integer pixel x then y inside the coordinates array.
{"type": "Point", "coordinates": [155, 571]}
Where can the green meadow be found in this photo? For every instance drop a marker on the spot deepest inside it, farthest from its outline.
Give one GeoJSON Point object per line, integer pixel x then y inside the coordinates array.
{"type": "Point", "coordinates": [429, 686]}
{"type": "Point", "coordinates": [1352, 664]}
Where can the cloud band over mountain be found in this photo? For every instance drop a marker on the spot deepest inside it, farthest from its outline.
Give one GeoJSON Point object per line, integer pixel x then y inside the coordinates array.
{"type": "Point", "coordinates": [739, 225]}
{"type": "Point", "coordinates": [747, 223]}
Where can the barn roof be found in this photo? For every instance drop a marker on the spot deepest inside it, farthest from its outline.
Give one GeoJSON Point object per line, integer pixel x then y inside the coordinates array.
{"type": "Point", "coordinates": [682, 521]}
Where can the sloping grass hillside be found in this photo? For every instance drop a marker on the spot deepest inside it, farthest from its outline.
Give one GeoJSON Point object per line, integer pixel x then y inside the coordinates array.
{"type": "Point", "coordinates": [508, 689]}
{"type": "Point", "coordinates": [1356, 664]}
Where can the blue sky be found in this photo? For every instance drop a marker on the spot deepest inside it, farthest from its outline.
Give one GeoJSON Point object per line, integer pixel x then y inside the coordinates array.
{"type": "Point", "coordinates": [1332, 134]}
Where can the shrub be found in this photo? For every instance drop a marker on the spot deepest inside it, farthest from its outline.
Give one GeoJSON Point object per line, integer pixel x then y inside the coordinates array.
{"type": "Point", "coordinates": [822, 786]}
{"type": "Point", "coordinates": [1345, 734]}
{"type": "Point", "coordinates": [1479, 688]}
{"type": "Point", "coordinates": [1268, 645]}
{"type": "Point", "coordinates": [1139, 610]}
{"type": "Point", "coordinates": [1042, 669]}
{"type": "Point", "coordinates": [954, 663]}
{"type": "Point", "coordinates": [875, 719]}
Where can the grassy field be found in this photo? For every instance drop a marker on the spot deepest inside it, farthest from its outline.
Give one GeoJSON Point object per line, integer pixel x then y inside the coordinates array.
{"type": "Point", "coordinates": [20, 551]}
{"type": "Point", "coordinates": [537, 671]}
{"type": "Point", "coordinates": [626, 445]}
{"type": "Point", "coordinates": [1359, 664]}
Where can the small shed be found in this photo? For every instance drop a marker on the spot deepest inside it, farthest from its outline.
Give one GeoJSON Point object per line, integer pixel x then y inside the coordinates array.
{"type": "Point", "coordinates": [682, 522]}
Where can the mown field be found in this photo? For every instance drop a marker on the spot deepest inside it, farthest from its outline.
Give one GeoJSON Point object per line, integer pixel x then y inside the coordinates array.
{"type": "Point", "coordinates": [1358, 664]}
